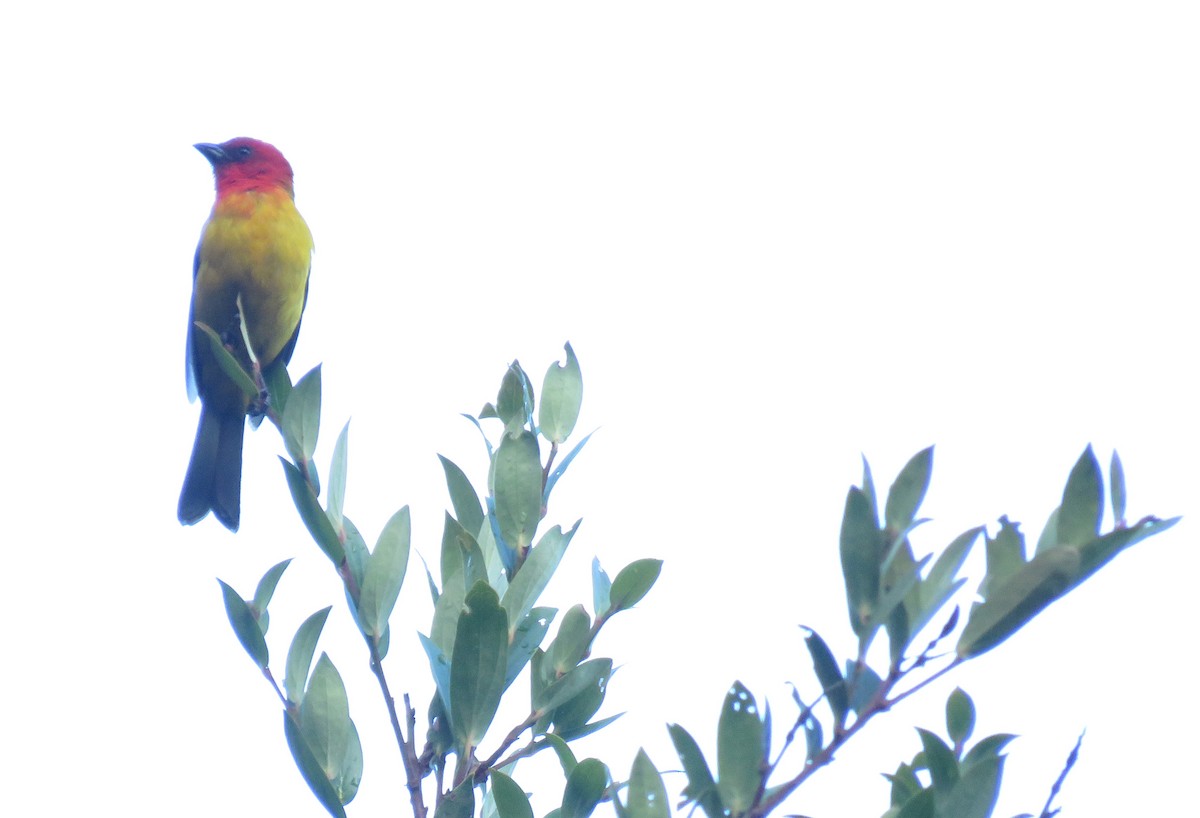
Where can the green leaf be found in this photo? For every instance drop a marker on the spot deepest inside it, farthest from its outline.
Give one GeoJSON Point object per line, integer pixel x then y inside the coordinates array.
{"type": "Point", "coordinates": [960, 717]}
{"type": "Point", "coordinates": [467, 508]}
{"type": "Point", "coordinates": [701, 788]}
{"type": "Point", "coordinates": [986, 748]}
{"type": "Point", "coordinates": [919, 806]}
{"type": "Point", "coordinates": [863, 684]}
{"type": "Point", "coordinates": [1095, 554]}
{"type": "Point", "coordinates": [531, 580]}
{"type": "Point", "coordinates": [336, 498]}
{"type": "Point", "coordinates": [1005, 556]}
{"type": "Point", "coordinates": [571, 717]}
{"type": "Point", "coordinates": [975, 794]}
{"type": "Point", "coordinates": [562, 750]}
{"type": "Point", "coordinates": [446, 612]}
{"type": "Point", "coordinates": [355, 547]}
{"type": "Point", "coordinates": [1082, 503]}
{"type": "Point", "coordinates": [385, 574]}
{"type": "Point", "coordinates": [1116, 482]}
{"type": "Point", "coordinates": [328, 731]}
{"type": "Point", "coordinates": [906, 494]}
{"type": "Point", "coordinates": [462, 558]}
{"type": "Point", "coordinates": [514, 403]}
{"type": "Point", "coordinates": [1018, 599]}
{"type": "Point", "coordinates": [741, 750]}
{"type": "Point", "coordinates": [633, 583]}
{"type": "Point", "coordinates": [229, 365]}
{"type": "Point", "coordinates": [302, 417]}
{"type": "Point", "coordinates": [939, 758]}
{"type": "Point", "coordinates": [828, 674]}
{"type": "Point", "coordinates": [477, 668]}
{"type": "Point", "coordinates": [941, 583]}
{"type": "Point", "coordinates": [585, 787]}
{"type": "Point", "coordinates": [868, 490]}
{"type": "Point", "coordinates": [572, 640]}
{"type": "Point", "coordinates": [314, 517]}
{"type": "Point", "coordinates": [266, 588]}
{"type": "Point", "coordinates": [440, 668]}
{"type": "Point", "coordinates": [562, 395]}
{"type": "Point", "coordinates": [601, 588]}
{"type": "Point", "coordinates": [904, 784]}
{"type": "Point", "coordinates": [518, 489]}
{"type": "Point", "coordinates": [245, 627]}
{"type": "Point", "coordinates": [561, 468]}
{"type": "Point", "coordinates": [647, 796]}
{"type": "Point", "coordinates": [310, 769]}
{"type": "Point", "coordinates": [300, 654]}
{"type": "Point", "coordinates": [591, 674]}
{"type": "Point", "coordinates": [460, 803]}
{"type": "Point", "coordinates": [861, 551]}
{"type": "Point", "coordinates": [1049, 537]}
{"type": "Point", "coordinates": [511, 800]}
{"type": "Point", "coordinates": [526, 639]}
{"type": "Point", "coordinates": [279, 386]}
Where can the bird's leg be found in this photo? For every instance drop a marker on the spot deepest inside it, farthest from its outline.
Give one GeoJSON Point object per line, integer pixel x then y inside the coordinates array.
{"type": "Point", "coordinates": [258, 407]}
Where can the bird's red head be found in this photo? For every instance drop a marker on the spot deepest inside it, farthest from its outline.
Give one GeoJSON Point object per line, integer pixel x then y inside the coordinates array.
{"type": "Point", "coordinates": [243, 163]}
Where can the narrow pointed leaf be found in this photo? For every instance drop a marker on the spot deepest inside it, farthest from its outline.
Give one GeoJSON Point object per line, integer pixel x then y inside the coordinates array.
{"type": "Point", "coordinates": [336, 494]}
{"type": "Point", "coordinates": [511, 800]}
{"type": "Point", "coordinates": [266, 586]}
{"type": "Point", "coordinates": [327, 729]}
{"type": "Point", "coordinates": [572, 640]}
{"type": "Point", "coordinates": [302, 416]}
{"type": "Point", "coordinates": [385, 574]}
{"type": "Point", "coordinates": [906, 494]}
{"type": "Point", "coordinates": [647, 796]}
{"type": "Point", "coordinates": [477, 668]}
{"type": "Point", "coordinates": [939, 758]}
{"type": "Point", "coordinates": [740, 750]}
{"type": "Point", "coordinates": [1093, 555]}
{"type": "Point", "coordinates": [701, 788]}
{"type": "Point", "coordinates": [245, 627]}
{"type": "Point", "coordinates": [960, 716]}
{"type": "Point", "coordinates": [1082, 503]}
{"type": "Point", "coordinates": [590, 674]}
{"type": "Point", "coordinates": [1005, 556]}
{"type": "Point", "coordinates": [300, 654]}
{"type": "Point", "coordinates": [314, 517]}
{"type": "Point", "coordinates": [601, 588]}
{"type": "Point", "coordinates": [584, 789]}
{"type": "Point", "coordinates": [228, 363]}
{"type": "Point", "coordinates": [439, 665]}
{"type": "Point", "coordinates": [310, 768]}
{"type": "Point", "coordinates": [467, 508]}
{"type": "Point", "coordinates": [514, 403]}
{"type": "Point", "coordinates": [562, 395]}
{"type": "Point", "coordinates": [561, 468]}
{"type": "Point", "coordinates": [861, 551]}
{"type": "Point", "coordinates": [531, 580]}
{"type": "Point", "coordinates": [518, 489]}
{"type": "Point", "coordinates": [526, 639]}
{"type": "Point", "coordinates": [1018, 599]}
{"type": "Point", "coordinates": [1116, 483]}
{"type": "Point", "coordinates": [975, 794]}
{"type": "Point", "coordinates": [828, 674]}
{"type": "Point", "coordinates": [633, 583]}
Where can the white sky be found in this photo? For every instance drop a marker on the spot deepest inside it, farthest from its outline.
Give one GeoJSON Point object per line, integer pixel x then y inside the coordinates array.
{"type": "Point", "coordinates": [776, 235]}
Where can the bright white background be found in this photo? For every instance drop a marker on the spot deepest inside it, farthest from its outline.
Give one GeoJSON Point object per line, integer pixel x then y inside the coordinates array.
{"type": "Point", "coordinates": [777, 235]}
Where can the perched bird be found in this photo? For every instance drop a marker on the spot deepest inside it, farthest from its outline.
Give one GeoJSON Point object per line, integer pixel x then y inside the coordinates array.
{"type": "Point", "coordinates": [256, 248]}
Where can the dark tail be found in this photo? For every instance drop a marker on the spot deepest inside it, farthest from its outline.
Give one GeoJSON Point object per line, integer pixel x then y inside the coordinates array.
{"type": "Point", "coordinates": [214, 476]}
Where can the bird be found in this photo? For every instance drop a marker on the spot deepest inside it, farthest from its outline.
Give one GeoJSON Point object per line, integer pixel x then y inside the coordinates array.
{"type": "Point", "coordinates": [252, 265]}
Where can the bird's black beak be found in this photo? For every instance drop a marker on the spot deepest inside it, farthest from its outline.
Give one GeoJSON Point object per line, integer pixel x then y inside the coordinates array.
{"type": "Point", "coordinates": [215, 154]}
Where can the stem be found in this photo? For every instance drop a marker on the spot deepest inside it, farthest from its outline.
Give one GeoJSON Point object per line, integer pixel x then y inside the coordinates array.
{"type": "Point", "coordinates": [411, 768]}
{"type": "Point", "coordinates": [481, 772]}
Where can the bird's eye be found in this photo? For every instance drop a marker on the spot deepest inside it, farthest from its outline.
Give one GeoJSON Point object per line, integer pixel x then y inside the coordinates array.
{"type": "Point", "coordinates": [244, 152]}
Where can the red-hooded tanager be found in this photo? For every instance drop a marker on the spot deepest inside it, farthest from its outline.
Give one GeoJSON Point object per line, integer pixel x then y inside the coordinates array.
{"type": "Point", "coordinates": [255, 246]}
